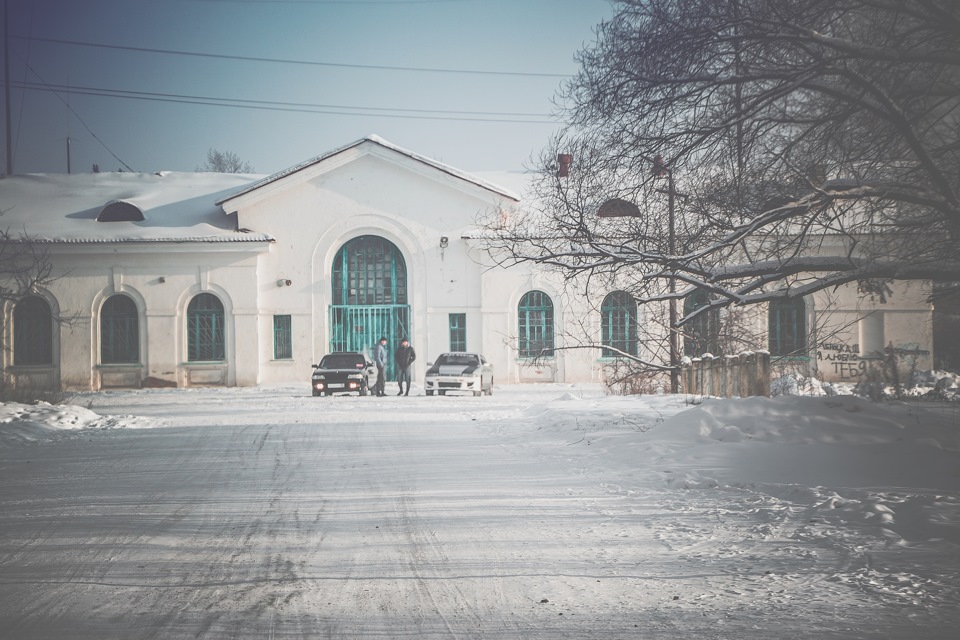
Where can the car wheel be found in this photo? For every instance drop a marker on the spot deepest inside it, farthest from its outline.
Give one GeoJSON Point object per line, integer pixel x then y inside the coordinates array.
{"type": "Point", "coordinates": [429, 393]}
{"type": "Point", "coordinates": [478, 393]}
{"type": "Point", "coordinates": [315, 393]}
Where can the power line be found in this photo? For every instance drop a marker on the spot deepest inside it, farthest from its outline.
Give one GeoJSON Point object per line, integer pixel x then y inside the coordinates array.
{"type": "Point", "coordinates": [296, 107]}
{"type": "Point", "coordinates": [77, 115]}
{"type": "Point", "coordinates": [220, 56]}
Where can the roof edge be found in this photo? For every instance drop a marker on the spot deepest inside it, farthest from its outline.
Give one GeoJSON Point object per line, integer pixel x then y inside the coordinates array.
{"type": "Point", "coordinates": [375, 139]}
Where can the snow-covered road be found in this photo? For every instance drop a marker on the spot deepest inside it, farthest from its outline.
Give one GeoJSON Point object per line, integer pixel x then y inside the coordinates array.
{"type": "Point", "coordinates": [537, 513]}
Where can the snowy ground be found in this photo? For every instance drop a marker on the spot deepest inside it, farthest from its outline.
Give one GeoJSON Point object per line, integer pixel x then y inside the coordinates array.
{"type": "Point", "coordinates": [548, 511]}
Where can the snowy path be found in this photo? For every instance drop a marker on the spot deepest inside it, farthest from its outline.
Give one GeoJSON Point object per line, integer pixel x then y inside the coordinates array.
{"type": "Point", "coordinates": [272, 515]}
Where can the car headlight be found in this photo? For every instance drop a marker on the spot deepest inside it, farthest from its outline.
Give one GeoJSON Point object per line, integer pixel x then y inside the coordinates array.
{"type": "Point", "coordinates": [355, 376]}
{"type": "Point", "coordinates": [319, 377]}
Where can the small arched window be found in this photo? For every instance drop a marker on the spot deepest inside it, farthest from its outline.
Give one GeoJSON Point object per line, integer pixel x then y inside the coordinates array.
{"type": "Point", "coordinates": [618, 323]}
{"type": "Point", "coordinates": [618, 208]}
{"type": "Point", "coordinates": [787, 327]}
{"type": "Point", "coordinates": [702, 333]}
{"type": "Point", "coordinates": [120, 211]}
{"type": "Point", "coordinates": [205, 324]}
{"type": "Point", "coordinates": [119, 331]}
{"type": "Point", "coordinates": [535, 325]}
{"type": "Point", "coordinates": [32, 332]}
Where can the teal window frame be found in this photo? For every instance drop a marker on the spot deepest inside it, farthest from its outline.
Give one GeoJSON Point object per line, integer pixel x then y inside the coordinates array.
{"type": "Point", "coordinates": [32, 332]}
{"type": "Point", "coordinates": [535, 335]}
{"type": "Point", "coordinates": [618, 325]}
{"type": "Point", "coordinates": [369, 270]}
{"type": "Point", "coordinates": [119, 331]}
{"type": "Point", "coordinates": [787, 327]}
{"type": "Point", "coordinates": [458, 332]}
{"type": "Point", "coordinates": [205, 329]}
{"type": "Point", "coordinates": [282, 337]}
{"type": "Point", "coordinates": [702, 333]}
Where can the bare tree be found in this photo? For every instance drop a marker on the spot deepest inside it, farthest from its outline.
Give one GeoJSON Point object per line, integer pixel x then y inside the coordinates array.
{"type": "Point", "coordinates": [224, 162]}
{"type": "Point", "coordinates": [25, 269]}
{"type": "Point", "coordinates": [755, 149]}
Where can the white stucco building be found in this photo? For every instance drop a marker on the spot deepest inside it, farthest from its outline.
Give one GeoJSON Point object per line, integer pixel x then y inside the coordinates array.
{"type": "Point", "coordinates": [206, 279]}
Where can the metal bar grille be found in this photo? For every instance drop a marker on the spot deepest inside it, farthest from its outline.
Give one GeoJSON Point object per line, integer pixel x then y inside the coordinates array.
{"type": "Point", "coordinates": [282, 338]}
{"type": "Point", "coordinates": [359, 328]}
{"type": "Point", "coordinates": [535, 325]}
{"type": "Point", "coordinates": [458, 332]}
{"type": "Point", "coordinates": [787, 328]}
{"type": "Point", "coordinates": [119, 331]}
{"type": "Point", "coordinates": [618, 319]}
{"type": "Point", "coordinates": [32, 332]}
{"type": "Point", "coordinates": [205, 324]}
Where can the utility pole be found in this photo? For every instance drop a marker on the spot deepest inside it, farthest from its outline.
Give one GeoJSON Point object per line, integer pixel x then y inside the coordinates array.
{"type": "Point", "coordinates": [6, 77]}
{"type": "Point", "coordinates": [660, 170]}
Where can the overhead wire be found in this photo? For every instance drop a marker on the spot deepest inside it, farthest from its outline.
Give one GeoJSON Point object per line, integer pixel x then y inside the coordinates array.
{"type": "Point", "coordinates": [79, 119]}
{"type": "Point", "coordinates": [299, 107]}
{"type": "Point", "coordinates": [345, 65]}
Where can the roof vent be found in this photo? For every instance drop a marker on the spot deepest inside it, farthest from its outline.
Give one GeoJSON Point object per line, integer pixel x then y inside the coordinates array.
{"type": "Point", "coordinates": [120, 211]}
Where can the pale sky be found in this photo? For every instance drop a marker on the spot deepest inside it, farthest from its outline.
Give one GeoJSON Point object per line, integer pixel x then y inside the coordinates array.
{"type": "Point", "coordinates": [322, 73]}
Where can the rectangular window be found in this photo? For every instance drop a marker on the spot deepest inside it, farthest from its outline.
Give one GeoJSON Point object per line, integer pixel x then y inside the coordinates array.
{"type": "Point", "coordinates": [458, 332]}
{"type": "Point", "coordinates": [282, 338]}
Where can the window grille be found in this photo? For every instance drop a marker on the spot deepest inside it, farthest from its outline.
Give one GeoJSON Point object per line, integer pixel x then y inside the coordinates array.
{"type": "Point", "coordinates": [119, 331]}
{"type": "Point", "coordinates": [205, 323]}
{"type": "Point", "coordinates": [458, 332]}
{"type": "Point", "coordinates": [787, 327]}
{"type": "Point", "coordinates": [369, 270]}
{"type": "Point", "coordinates": [618, 320]}
{"type": "Point", "coordinates": [702, 333]}
{"type": "Point", "coordinates": [535, 325]}
{"type": "Point", "coordinates": [282, 338]}
{"type": "Point", "coordinates": [32, 332]}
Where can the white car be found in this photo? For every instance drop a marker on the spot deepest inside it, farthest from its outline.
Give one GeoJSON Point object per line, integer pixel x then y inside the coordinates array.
{"type": "Point", "coordinates": [459, 371]}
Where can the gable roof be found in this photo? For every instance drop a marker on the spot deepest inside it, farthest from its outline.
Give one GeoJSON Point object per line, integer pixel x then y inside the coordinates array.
{"type": "Point", "coordinates": [380, 142]}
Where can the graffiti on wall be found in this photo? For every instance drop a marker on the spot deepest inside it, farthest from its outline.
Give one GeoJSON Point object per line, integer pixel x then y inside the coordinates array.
{"type": "Point", "coordinates": [842, 360]}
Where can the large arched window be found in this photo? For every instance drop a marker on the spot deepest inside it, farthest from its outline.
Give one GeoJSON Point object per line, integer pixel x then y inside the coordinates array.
{"type": "Point", "coordinates": [32, 332]}
{"type": "Point", "coordinates": [702, 333]}
{"type": "Point", "coordinates": [119, 331]}
{"type": "Point", "coordinates": [369, 270]}
{"type": "Point", "coordinates": [787, 327]}
{"type": "Point", "coordinates": [205, 322]}
{"type": "Point", "coordinates": [618, 324]}
{"type": "Point", "coordinates": [535, 325]}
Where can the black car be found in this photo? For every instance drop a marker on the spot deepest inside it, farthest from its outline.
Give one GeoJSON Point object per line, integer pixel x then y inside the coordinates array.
{"type": "Point", "coordinates": [343, 372]}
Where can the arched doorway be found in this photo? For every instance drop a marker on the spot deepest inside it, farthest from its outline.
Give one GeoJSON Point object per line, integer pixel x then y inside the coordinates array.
{"type": "Point", "coordinates": [369, 296]}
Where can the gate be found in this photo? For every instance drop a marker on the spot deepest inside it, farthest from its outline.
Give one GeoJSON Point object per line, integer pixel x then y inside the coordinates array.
{"type": "Point", "coordinates": [358, 328]}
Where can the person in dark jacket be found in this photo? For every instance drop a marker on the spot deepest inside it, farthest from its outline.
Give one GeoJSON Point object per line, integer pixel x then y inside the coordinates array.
{"type": "Point", "coordinates": [380, 357]}
{"type": "Point", "coordinates": [404, 357]}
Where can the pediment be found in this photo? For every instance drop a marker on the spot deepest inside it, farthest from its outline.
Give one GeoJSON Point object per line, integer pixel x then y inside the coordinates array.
{"type": "Point", "coordinates": [371, 146]}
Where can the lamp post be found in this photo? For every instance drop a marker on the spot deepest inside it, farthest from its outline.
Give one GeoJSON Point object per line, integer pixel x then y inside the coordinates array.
{"type": "Point", "coordinates": [661, 170]}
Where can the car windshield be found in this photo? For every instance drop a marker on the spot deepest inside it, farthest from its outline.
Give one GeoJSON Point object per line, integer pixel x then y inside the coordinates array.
{"type": "Point", "coordinates": [342, 361]}
{"type": "Point", "coordinates": [458, 358]}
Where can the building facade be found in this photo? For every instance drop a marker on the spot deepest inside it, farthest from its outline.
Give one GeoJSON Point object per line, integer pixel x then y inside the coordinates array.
{"type": "Point", "coordinates": [207, 279]}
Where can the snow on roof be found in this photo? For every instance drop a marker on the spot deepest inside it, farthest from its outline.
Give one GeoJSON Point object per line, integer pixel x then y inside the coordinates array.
{"type": "Point", "coordinates": [177, 207]}
{"type": "Point", "coordinates": [375, 139]}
